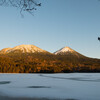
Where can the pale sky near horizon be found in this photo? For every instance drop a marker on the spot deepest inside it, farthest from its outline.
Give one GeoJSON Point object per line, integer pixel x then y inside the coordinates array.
{"type": "Point", "coordinates": [56, 24]}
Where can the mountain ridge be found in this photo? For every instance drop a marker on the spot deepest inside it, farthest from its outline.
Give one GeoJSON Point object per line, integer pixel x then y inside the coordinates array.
{"type": "Point", "coordinates": [21, 59]}
{"type": "Point", "coordinates": [27, 48]}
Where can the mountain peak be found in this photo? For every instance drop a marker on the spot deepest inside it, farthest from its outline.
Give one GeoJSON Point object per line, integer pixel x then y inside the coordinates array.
{"type": "Point", "coordinates": [67, 51]}
{"type": "Point", "coordinates": [64, 50]}
{"type": "Point", "coordinates": [23, 48]}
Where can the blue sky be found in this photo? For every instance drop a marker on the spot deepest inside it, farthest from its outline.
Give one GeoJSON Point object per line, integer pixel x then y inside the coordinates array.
{"type": "Point", "coordinates": [57, 23]}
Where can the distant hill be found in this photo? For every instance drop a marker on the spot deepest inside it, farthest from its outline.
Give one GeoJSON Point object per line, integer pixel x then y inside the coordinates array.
{"type": "Point", "coordinates": [32, 59]}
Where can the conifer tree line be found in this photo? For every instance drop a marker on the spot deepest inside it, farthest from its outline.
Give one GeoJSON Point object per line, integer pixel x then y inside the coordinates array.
{"type": "Point", "coordinates": [46, 63]}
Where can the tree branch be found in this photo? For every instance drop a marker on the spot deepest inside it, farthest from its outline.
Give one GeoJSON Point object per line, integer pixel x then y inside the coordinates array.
{"type": "Point", "coordinates": [23, 5]}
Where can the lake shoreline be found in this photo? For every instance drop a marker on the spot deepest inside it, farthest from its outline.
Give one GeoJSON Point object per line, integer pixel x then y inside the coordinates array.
{"type": "Point", "coordinates": [50, 73]}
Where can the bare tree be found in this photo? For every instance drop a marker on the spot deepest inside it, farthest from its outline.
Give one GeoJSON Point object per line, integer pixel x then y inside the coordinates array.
{"type": "Point", "coordinates": [23, 5]}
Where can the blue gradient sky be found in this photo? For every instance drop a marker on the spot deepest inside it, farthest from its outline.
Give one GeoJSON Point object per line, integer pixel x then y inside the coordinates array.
{"type": "Point", "coordinates": [57, 23]}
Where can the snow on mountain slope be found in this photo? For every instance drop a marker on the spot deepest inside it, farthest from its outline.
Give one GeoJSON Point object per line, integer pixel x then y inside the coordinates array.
{"type": "Point", "coordinates": [33, 49]}
{"type": "Point", "coordinates": [5, 50]}
{"type": "Point", "coordinates": [23, 49]}
{"type": "Point", "coordinates": [64, 50]}
{"type": "Point", "coordinates": [68, 51]}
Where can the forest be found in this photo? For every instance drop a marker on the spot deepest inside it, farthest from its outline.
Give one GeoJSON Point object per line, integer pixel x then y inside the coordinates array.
{"type": "Point", "coordinates": [46, 63]}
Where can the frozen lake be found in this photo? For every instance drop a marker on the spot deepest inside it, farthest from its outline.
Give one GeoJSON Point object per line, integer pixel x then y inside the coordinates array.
{"type": "Point", "coordinates": [71, 86]}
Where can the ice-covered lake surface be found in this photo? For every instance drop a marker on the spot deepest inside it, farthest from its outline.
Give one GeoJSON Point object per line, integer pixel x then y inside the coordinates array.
{"type": "Point", "coordinates": [71, 86]}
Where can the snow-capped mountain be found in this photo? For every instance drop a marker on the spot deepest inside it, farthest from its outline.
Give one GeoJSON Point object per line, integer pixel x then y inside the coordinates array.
{"type": "Point", "coordinates": [33, 49]}
{"type": "Point", "coordinates": [68, 51]}
{"type": "Point", "coordinates": [64, 50]}
{"type": "Point", "coordinates": [23, 49]}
